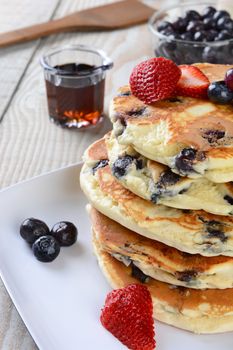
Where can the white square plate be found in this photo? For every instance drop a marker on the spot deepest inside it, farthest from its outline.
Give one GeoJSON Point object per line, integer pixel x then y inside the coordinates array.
{"type": "Point", "coordinates": [60, 302]}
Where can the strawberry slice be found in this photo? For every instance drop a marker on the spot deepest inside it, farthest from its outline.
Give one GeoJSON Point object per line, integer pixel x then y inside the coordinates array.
{"type": "Point", "coordinates": [192, 83]}
{"type": "Point", "coordinates": [127, 314]}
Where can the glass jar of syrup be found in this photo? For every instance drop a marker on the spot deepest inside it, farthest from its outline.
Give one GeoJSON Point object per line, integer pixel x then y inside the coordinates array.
{"type": "Point", "coordinates": [75, 79]}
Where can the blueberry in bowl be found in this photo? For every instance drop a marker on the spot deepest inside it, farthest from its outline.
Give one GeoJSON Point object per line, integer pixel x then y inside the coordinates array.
{"type": "Point", "coordinates": [193, 32]}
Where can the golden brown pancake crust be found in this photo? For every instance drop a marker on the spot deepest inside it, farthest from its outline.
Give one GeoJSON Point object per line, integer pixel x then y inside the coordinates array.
{"type": "Point", "coordinates": [112, 235]}
{"type": "Point", "coordinates": [194, 232]}
{"type": "Point", "coordinates": [98, 152]}
{"type": "Point", "coordinates": [180, 298]}
{"type": "Point", "coordinates": [135, 206]}
{"type": "Point", "coordinates": [155, 182]}
{"type": "Point", "coordinates": [199, 311]}
{"type": "Point", "coordinates": [184, 127]}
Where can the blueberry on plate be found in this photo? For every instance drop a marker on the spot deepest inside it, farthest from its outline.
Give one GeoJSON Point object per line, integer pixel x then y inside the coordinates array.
{"type": "Point", "coordinates": [32, 228]}
{"type": "Point", "coordinates": [46, 248]}
{"type": "Point", "coordinates": [65, 233]}
{"type": "Point", "coordinates": [218, 92]}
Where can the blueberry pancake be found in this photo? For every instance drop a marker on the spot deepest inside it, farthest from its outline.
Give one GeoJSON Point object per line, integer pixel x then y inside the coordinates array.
{"type": "Point", "coordinates": [199, 311]}
{"type": "Point", "coordinates": [157, 183]}
{"type": "Point", "coordinates": [189, 231]}
{"type": "Point", "coordinates": [152, 259]}
{"type": "Point", "coordinates": [194, 137]}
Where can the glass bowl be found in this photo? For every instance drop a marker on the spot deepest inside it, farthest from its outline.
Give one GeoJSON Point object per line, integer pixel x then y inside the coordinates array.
{"type": "Point", "coordinates": [184, 51]}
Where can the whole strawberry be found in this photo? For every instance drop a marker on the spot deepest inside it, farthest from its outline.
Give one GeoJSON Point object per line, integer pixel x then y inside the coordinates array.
{"type": "Point", "coordinates": [154, 79]}
{"type": "Point", "coordinates": [127, 314]}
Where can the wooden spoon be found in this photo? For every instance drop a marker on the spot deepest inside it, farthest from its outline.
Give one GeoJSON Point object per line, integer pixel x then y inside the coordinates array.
{"type": "Point", "coordinates": [112, 16]}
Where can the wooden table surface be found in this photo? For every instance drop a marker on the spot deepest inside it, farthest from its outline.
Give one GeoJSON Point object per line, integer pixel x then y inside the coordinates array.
{"type": "Point", "coordinates": [29, 143]}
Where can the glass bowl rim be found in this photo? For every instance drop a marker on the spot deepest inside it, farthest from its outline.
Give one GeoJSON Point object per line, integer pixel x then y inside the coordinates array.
{"type": "Point", "coordinates": [158, 14]}
{"type": "Point", "coordinates": [107, 62]}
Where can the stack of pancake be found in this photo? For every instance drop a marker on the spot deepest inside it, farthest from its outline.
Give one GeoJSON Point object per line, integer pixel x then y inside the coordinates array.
{"type": "Point", "coordinates": [161, 199]}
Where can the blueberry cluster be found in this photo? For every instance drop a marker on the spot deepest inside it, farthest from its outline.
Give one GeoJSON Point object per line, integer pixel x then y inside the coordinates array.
{"type": "Point", "coordinates": [222, 91]}
{"type": "Point", "coordinates": [46, 243]}
{"type": "Point", "coordinates": [209, 26]}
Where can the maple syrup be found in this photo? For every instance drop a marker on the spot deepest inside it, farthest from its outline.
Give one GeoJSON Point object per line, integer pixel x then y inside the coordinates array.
{"type": "Point", "coordinates": [75, 79]}
{"type": "Point", "coordinates": [76, 95]}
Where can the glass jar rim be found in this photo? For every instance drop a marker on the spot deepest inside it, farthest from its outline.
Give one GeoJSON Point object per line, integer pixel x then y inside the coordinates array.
{"type": "Point", "coordinates": [107, 62]}
{"type": "Point", "coordinates": [158, 14]}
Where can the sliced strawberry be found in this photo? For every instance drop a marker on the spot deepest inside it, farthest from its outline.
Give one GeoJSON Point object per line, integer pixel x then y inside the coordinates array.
{"type": "Point", "coordinates": [192, 83]}
{"type": "Point", "coordinates": [127, 314]}
{"type": "Point", "coordinates": [154, 79]}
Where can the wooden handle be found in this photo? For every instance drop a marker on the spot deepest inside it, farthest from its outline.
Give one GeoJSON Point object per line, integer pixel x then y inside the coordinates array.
{"type": "Point", "coordinates": [118, 14]}
{"type": "Point", "coordinates": [29, 33]}
{"type": "Point", "coordinates": [45, 29]}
